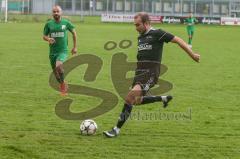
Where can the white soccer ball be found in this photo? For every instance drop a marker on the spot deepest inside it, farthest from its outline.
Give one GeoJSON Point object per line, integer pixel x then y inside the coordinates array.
{"type": "Point", "coordinates": [88, 127]}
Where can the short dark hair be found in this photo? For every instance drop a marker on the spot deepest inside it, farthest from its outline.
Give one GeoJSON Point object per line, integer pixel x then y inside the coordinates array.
{"type": "Point", "coordinates": [144, 17]}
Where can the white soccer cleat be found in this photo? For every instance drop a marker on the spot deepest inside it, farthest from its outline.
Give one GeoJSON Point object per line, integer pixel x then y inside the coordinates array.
{"type": "Point", "coordinates": [112, 133]}
{"type": "Point", "coordinates": [166, 100]}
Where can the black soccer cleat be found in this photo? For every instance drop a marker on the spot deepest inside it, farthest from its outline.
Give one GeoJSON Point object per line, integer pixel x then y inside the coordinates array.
{"type": "Point", "coordinates": [166, 100]}
{"type": "Point", "coordinates": [112, 133]}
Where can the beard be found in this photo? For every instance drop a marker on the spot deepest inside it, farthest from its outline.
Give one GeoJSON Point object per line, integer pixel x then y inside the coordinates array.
{"type": "Point", "coordinates": [56, 17]}
{"type": "Point", "coordinates": [142, 31]}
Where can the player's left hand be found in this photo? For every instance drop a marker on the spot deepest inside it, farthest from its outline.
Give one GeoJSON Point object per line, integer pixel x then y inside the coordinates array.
{"type": "Point", "coordinates": [74, 51]}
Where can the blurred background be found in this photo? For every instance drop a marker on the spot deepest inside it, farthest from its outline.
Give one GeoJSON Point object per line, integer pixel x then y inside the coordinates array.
{"type": "Point", "coordinates": [199, 8]}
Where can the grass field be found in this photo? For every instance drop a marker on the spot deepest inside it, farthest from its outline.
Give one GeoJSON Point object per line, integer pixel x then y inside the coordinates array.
{"type": "Point", "coordinates": [29, 127]}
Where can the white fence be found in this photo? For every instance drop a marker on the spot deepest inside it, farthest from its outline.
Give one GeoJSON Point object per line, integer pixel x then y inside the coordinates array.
{"type": "Point", "coordinates": [203, 8]}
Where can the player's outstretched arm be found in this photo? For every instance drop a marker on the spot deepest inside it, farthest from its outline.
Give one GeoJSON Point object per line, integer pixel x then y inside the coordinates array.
{"type": "Point", "coordinates": [195, 20]}
{"type": "Point", "coordinates": [74, 34]}
{"type": "Point", "coordinates": [186, 48]}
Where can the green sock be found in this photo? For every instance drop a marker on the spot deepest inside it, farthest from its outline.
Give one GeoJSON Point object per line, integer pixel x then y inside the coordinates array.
{"type": "Point", "coordinates": [190, 41]}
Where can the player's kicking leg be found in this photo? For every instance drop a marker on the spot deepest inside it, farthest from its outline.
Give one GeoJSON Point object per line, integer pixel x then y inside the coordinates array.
{"type": "Point", "coordinates": [134, 97]}
{"type": "Point", "coordinates": [152, 99]}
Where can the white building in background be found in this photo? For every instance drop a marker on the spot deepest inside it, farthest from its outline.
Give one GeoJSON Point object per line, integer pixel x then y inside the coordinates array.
{"type": "Point", "coordinates": [203, 8]}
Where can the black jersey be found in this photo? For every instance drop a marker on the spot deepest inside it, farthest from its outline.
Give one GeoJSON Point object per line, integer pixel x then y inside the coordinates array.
{"type": "Point", "coordinates": [150, 45]}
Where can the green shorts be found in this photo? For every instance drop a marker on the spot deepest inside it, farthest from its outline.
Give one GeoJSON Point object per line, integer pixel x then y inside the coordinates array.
{"type": "Point", "coordinates": [57, 57]}
{"type": "Point", "coordinates": [190, 31]}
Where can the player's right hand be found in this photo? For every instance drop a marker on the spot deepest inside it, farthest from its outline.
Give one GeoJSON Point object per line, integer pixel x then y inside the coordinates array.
{"type": "Point", "coordinates": [51, 41]}
{"type": "Point", "coordinates": [196, 57]}
{"type": "Point", "coordinates": [74, 51]}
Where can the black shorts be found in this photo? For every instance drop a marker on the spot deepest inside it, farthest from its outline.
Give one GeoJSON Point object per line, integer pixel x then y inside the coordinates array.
{"type": "Point", "coordinates": [146, 75]}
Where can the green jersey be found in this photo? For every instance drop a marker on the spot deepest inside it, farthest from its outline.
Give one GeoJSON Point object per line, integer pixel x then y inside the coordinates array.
{"type": "Point", "coordinates": [190, 22]}
{"type": "Point", "coordinates": [58, 31]}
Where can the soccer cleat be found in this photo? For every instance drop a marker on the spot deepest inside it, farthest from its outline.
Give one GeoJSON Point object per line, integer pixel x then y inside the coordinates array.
{"type": "Point", "coordinates": [112, 133]}
{"type": "Point", "coordinates": [63, 89]}
{"type": "Point", "coordinates": [190, 46]}
{"type": "Point", "coordinates": [165, 100]}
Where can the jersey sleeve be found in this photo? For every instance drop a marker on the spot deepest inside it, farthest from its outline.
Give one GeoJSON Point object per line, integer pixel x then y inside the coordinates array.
{"type": "Point", "coordinates": [70, 26]}
{"type": "Point", "coordinates": [164, 36]}
{"type": "Point", "coordinates": [46, 30]}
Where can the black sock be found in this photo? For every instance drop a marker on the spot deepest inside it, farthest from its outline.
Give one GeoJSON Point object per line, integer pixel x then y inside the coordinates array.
{"type": "Point", "coordinates": [61, 77]}
{"type": "Point", "coordinates": [126, 111]}
{"type": "Point", "coordinates": [58, 79]}
{"type": "Point", "coordinates": [151, 99]}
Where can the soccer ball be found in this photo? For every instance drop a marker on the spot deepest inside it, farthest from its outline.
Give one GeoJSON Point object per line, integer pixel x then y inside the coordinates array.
{"type": "Point", "coordinates": [88, 127]}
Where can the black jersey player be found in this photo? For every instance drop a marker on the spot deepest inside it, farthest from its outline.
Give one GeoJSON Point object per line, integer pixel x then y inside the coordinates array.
{"type": "Point", "coordinates": [150, 47]}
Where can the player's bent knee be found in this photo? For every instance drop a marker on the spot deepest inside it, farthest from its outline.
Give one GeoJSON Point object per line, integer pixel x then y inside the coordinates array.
{"type": "Point", "coordinates": [133, 98]}
{"type": "Point", "coordinates": [129, 100]}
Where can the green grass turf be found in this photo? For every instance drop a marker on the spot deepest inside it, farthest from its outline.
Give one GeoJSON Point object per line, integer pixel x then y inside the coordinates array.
{"type": "Point", "coordinates": [29, 127]}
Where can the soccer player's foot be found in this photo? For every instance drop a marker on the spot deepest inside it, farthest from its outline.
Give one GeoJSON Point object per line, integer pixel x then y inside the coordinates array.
{"type": "Point", "coordinates": [190, 46]}
{"type": "Point", "coordinates": [63, 89]}
{"type": "Point", "coordinates": [112, 133]}
{"type": "Point", "coordinates": [166, 100]}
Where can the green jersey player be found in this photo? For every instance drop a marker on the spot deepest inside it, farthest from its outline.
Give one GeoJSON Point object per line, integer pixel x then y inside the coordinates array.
{"type": "Point", "coordinates": [190, 21]}
{"type": "Point", "coordinates": [55, 33]}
